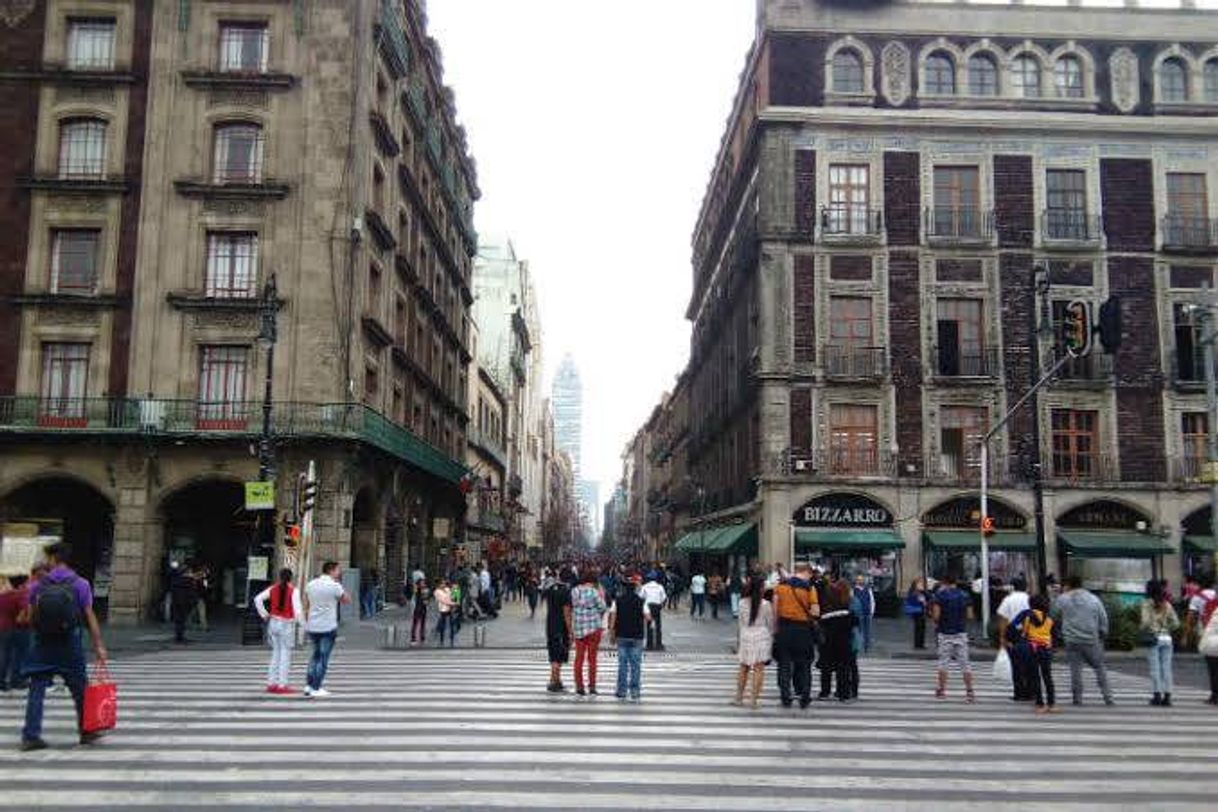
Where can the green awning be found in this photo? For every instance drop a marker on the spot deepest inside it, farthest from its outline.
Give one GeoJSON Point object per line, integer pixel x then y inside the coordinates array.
{"type": "Point", "coordinates": [1112, 544]}
{"type": "Point", "coordinates": [964, 540]}
{"type": "Point", "coordinates": [735, 539]}
{"type": "Point", "coordinates": [1200, 544]}
{"type": "Point", "coordinates": [830, 540]}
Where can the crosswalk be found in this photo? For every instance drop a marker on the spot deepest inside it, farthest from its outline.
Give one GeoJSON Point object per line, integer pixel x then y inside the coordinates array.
{"type": "Point", "coordinates": [475, 729]}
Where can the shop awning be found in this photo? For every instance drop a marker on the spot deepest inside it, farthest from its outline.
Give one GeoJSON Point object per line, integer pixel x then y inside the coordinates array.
{"type": "Point", "coordinates": [735, 539]}
{"type": "Point", "coordinates": [964, 540]}
{"type": "Point", "coordinates": [1200, 544]}
{"type": "Point", "coordinates": [1112, 544]}
{"type": "Point", "coordinates": [819, 538]}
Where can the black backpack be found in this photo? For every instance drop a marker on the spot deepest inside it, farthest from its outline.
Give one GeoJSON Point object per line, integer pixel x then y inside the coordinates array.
{"type": "Point", "coordinates": [56, 613]}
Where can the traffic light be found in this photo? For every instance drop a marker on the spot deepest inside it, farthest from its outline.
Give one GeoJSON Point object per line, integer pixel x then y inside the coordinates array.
{"type": "Point", "coordinates": [291, 536]}
{"type": "Point", "coordinates": [987, 526]}
{"type": "Point", "coordinates": [1076, 328]}
{"type": "Point", "coordinates": [1110, 325]}
{"type": "Point", "coordinates": [306, 495]}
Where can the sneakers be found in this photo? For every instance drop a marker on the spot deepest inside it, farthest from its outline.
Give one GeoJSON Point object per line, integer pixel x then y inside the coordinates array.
{"type": "Point", "coordinates": [281, 690]}
{"type": "Point", "coordinates": [30, 745]}
{"type": "Point", "coordinates": [940, 693]}
{"type": "Point", "coordinates": [1041, 709]}
{"type": "Point", "coordinates": [592, 690]}
{"type": "Point", "coordinates": [555, 687]}
{"type": "Point", "coordinates": [318, 693]}
{"type": "Point", "coordinates": [580, 690]}
{"type": "Point", "coordinates": [90, 738]}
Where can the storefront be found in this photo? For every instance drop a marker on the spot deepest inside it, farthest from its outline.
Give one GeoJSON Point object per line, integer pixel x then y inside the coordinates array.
{"type": "Point", "coordinates": [1198, 548]}
{"type": "Point", "coordinates": [724, 549]}
{"type": "Point", "coordinates": [1108, 545]}
{"type": "Point", "coordinates": [848, 533]}
{"type": "Point", "coordinates": [951, 541]}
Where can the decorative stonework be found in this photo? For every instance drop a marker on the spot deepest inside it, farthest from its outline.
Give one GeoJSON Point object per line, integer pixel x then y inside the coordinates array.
{"type": "Point", "coordinates": [77, 203]}
{"type": "Point", "coordinates": [14, 11]}
{"type": "Point", "coordinates": [1123, 67]}
{"type": "Point", "coordinates": [258, 99]}
{"type": "Point", "coordinates": [895, 81]}
{"type": "Point", "coordinates": [233, 208]}
{"type": "Point", "coordinates": [68, 316]}
{"type": "Point", "coordinates": [226, 320]}
{"type": "Point", "coordinates": [101, 96]}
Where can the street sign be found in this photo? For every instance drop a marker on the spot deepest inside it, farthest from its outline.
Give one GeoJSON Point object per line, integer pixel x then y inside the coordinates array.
{"type": "Point", "coordinates": [260, 496]}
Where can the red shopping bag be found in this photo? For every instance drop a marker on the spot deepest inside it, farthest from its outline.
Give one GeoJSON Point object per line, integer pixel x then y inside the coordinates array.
{"type": "Point", "coordinates": [101, 701]}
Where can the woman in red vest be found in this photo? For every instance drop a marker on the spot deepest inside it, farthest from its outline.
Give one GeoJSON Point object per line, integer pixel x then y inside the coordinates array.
{"type": "Point", "coordinates": [279, 605]}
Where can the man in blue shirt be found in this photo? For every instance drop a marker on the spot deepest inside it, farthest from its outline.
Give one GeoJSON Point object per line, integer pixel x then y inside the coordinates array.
{"type": "Point", "coordinates": [950, 611]}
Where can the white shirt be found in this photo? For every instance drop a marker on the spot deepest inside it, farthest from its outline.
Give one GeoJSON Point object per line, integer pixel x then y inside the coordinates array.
{"type": "Point", "coordinates": [417, 576]}
{"type": "Point", "coordinates": [324, 595]}
{"type": "Point", "coordinates": [484, 580]}
{"type": "Point", "coordinates": [1012, 605]}
{"type": "Point", "coordinates": [265, 595]}
{"type": "Point", "coordinates": [697, 585]}
{"type": "Point", "coordinates": [652, 592]}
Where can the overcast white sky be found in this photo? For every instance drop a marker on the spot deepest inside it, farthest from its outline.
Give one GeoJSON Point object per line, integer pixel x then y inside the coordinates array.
{"type": "Point", "coordinates": [595, 126]}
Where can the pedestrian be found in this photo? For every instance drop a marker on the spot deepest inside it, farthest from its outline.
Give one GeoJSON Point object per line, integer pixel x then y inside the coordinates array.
{"type": "Point", "coordinates": [418, 620]}
{"type": "Point", "coordinates": [654, 597]}
{"type": "Point", "coordinates": [201, 574]}
{"type": "Point", "coordinates": [735, 586]}
{"type": "Point", "coordinates": [587, 614]}
{"type": "Point", "coordinates": [532, 591]}
{"type": "Point", "coordinates": [557, 594]}
{"type": "Point", "coordinates": [367, 593]}
{"type": "Point", "coordinates": [280, 608]}
{"type": "Point", "coordinates": [950, 611]}
{"type": "Point", "coordinates": [755, 639]}
{"type": "Point", "coordinates": [1158, 621]}
{"type": "Point", "coordinates": [14, 633]}
{"type": "Point", "coordinates": [837, 635]}
{"type": "Point", "coordinates": [797, 608]}
{"type": "Point", "coordinates": [445, 606]}
{"type": "Point", "coordinates": [915, 605]}
{"type": "Point", "coordinates": [323, 595]}
{"type": "Point", "coordinates": [1208, 645]}
{"type": "Point", "coordinates": [1036, 628]}
{"type": "Point", "coordinates": [1201, 596]}
{"type": "Point", "coordinates": [182, 599]}
{"type": "Point", "coordinates": [1023, 669]}
{"type": "Point", "coordinates": [473, 602]}
{"type": "Point", "coordinates": [697, 594]}
{"type": "Point", "coordinates": [714, 591]}
{"type": "Point", "coordinates": [1084, 624]}
{"type": "Point", "coordinates": [627, 629]}
{"type": "Point", "coordinates": [866, 609]}
{"type": "Point", "coordinates": [61, 603]}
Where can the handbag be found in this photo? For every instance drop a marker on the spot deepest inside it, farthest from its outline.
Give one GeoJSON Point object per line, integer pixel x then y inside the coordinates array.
{"type": "Point", "coordinates": [100, 711]}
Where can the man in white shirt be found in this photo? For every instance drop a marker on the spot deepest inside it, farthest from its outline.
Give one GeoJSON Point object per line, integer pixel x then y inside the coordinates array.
{"type": "Point", "coordinates": [697, 594]}
{"type": "Point", "coordinates": [1012, 606]}
{"type": "Point", "coordinates": [322, 596]}
{"type": "Point", "coordinates": [654, 597]}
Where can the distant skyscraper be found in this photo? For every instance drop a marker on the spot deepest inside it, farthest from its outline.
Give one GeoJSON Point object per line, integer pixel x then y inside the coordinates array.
{"type": "Point", "coordinates": [568, 403]}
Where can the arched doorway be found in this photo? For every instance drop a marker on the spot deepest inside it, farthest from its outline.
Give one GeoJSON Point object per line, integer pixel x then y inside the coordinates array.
{"type": "Point", "coordinates": [363, 555]}
{"type": "Point", "coordinates": [63, 508]}
{"type": "Point", "coordinates": [207, 526]}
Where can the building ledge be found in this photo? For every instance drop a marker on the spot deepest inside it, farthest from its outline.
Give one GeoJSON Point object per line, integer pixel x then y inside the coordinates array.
{"type": "Point", "coordinates": [81, 301]}
{"type": "Point", "coordinates": [1187, 108]}
{"type": "Point", "coordinates": [1036, 103]}
{"type": "Point", "coordinates": [193, 300]}
{"type": "Point", "coordinates": [385, 139]}
{"type": "Point", "coordinates": [60, 75]}
{"type": "Point", "coordinates": [266, 190]}
{"type": "Point", "coordinates": [84, 186]}
{"type": "Point", "coordinates": [376, 331]}
{"type": "Point", "coordinates": [380, 230]}
{"type": "Point", "coordinates": [224, 80]}
{"type": "Point", "coordinates": [406, 268]}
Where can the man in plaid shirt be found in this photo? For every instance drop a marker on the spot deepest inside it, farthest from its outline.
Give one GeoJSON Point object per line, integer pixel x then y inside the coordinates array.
{"type": "Point", "coordinates": [587, 609]}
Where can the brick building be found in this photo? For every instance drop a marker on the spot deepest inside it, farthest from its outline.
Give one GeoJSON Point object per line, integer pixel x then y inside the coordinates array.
{"type": "Point", "coordinates": [163, 160]}
{"type": "Point", "coordinates": [894, 182]}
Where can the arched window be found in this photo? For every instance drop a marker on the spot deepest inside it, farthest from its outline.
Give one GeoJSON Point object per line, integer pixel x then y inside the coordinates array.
{"type": "Point", "coordinates": [940, 74]}
{"type": "Point", "coordinates": [982, 76]}
{"type": "Point", "coordinates": [1025, 76]}
{"type": "Point", "coordinates": [847, 72]}
{"type": "Point", "coordinates": [1068, 77]}
{"type": "Point", "coordinates": [1211, 81]}
{"type": "Point", "coordinates": [1173, 81]}
{"type": "Point", "coordinates": [82, 148]}
{"type": "Point", "coordinates": [238, 153]}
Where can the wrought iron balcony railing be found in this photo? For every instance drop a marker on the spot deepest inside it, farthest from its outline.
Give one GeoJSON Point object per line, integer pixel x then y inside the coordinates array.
{"type": "Point", "coordinates": [954, 469]}
{"type": "Point", "coordinates": [1083, 468]}
{"type": "Point", "coordinates": [1189, 469]}
{"type": "Point", "coordinates": [849, 220]}
{"type": "Point", "coordinates": [849, 361]}
{"type": "Point", "coordinates": [1095, 367]}
{"type": "Point", "coordinates": [854, 462]}
{"type": "Point", "coordinates": [1187, 233]}
{"type": "Point", "coordinates": [1070, 225]}
{"type": "Point", "coordinates": [958, 224]}
{"type": "Point", "coordinates": [953, 362]}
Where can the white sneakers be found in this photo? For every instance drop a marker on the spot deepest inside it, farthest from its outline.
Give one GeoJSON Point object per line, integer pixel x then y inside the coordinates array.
{"type": "Point", "coordinates": [316, 693]}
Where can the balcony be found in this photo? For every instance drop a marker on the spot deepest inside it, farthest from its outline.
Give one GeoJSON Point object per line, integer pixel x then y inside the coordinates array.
{"type": "Point", "coordinates": [151, 418]}
{"type": "Point", "coordinates": [952, 362]}
{"type": "Point", "coordinates": [854, 462]}
{"type": "Point", "coordinates": [1095, 368]}
{"type": "Point", "coordinates": [851, 224]}
{"type": "Point", "coordinates": [965, 471]}
{"type": "Point", "coordinates": [847, 362]}
{"type": "Point", "coordinates": [958, 225]}
{"type": "Point", "coordinates": [1069, 228]}
{"type": "Point", "coordinates": [1189, 235]}
{"type": "Point", "coordinates": [483, 441]}
{"type": "Point", "coordinates": [1082, 469]}
{"type": "Point", "coordinates": [1188, 470]}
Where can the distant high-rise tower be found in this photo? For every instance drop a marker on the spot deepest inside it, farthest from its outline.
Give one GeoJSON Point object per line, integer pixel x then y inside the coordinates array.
{"type": "Point", "coordinates": [568, 404]}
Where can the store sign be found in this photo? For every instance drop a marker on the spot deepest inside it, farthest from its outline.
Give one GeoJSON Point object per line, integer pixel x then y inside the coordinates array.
{"type": "Point", "coordinates": [843, 510]}
{"type": "Point", "coordinates": [260, 496]}
{"type": "Point", "coordinates": [965, 512]}
{"type": "Point", "coordinates": [1102, 515]}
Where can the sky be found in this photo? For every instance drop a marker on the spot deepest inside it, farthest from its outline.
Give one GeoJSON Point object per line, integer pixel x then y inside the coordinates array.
{"type": "Point", "coordinates": [595, 128]}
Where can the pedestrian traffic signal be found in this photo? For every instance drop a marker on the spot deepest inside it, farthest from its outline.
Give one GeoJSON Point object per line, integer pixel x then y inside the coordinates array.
{"type": "Point", "coordinates": [306, 495]}
{"type": "Point", "coordinates": [291, 536]}
{"type": "Point", "coordinates": [1110, 325]}
{"type": "Point", "coordinates": [987, 525]}
{"type": "Point", "coordinates": [1076, 328]}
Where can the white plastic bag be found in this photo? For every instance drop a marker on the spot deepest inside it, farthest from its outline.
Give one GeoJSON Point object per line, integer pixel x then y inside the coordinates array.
{"type": "Point", "coordinates": [1002, 668]}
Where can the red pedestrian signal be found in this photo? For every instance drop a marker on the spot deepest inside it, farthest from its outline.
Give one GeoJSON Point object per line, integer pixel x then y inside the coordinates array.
{"type": "Point", "coordinates": [987, 525]}
{"type": "Point", "coordinates": [291, 536]}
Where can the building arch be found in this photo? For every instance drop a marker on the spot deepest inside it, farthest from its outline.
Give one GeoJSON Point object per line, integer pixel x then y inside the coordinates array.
{"type": "Point", "coordinates": [987, 50]}
{"type": "Point", "coordinates": [849, 44]}
{"type": "Point", "coordinates": [1063, 510]}
{"type": "Point", "coordinates": [1086, 61]}
{"type": "Point", "coordinates": [1191, 66]}
{"type": "Point", "coordinates": [940, 46]}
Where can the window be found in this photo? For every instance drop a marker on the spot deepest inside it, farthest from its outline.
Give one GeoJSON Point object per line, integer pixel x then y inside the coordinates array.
{"type": "Point", "coordinates": [1025, 76]}
{"type": "Point", "coordinates": [853, 439]}
{"type": "Point", "coordinates": [961, 349]}
{"type": "Point", "coordinates": [400, 329]}
{"type": "Point", "coordinates": [957, 202]}
{"type": "Point", "coordinates": [222, 374]}
{"type": "Point", "coordinates": [378, 189]}
{"type": "Point", "coordinates": [1173, 81]}
{"type": "Point", "coordinates": [982, 76]}
{"type": "Point", "coordinates": [961, 429]}
{"type": "Point", "coordinates": [238, 155]}
{"type": "Point", "coordinates": [940, 74]}
{"type": "Point", "coordinates": [65, 376]}
{"type": "Point", "coordinates": [849, 200]}
{"type": "Point", "coordinates": [1068, 77]}
{"type": "Point", "coordinates": [399, 412]}
{"type": "Point", "coordinates": [1211, 81]}
{"type": "Point", "coordinates": [1194, 436]}
{"type": "Point", "coordinates": [1189, 364]}
{"type": "Point", "coordinates": [848, 72]}
{"type": "Point", "coordinates": [1187, 222]}
{"type": "Point", "coordinates": [372, 382]}
{"type": "Point", "coordinates": [243, 47]}
{"type": "Point", "coordinates": [82, 148]}
{"type": "Point", "coordinates": [1066, 205]}
{"type": "Point", "coordinates": [1074, 444]}
{"type": "Point", "coordinates": [232, 265]}
{"type": "Point", "coordinates": [74, 260]}
{"type": "Point", "coordinates": [90, 45]}
{"type": "Point", "coordinates": [850, 320]}
{"type": "Point", "coordinates": [374, 290]}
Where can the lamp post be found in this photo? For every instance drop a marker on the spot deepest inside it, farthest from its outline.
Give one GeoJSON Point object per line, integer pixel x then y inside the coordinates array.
{"type": "Point", "coordinates": [251, 629]}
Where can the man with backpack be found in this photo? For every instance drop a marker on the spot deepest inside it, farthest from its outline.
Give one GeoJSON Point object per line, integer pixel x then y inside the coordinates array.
{"type": "Point", "coordinates": [61, 603]}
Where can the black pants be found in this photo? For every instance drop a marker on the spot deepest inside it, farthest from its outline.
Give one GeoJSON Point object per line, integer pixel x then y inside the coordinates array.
{"type": "Point", "coordinates": [919, 624]}
{"type": "Point", "coordinates": [1212, 664]}
{"type": "Point", "coordinates": [655, 632]}
{"type": "Point", "coordinates": [1042, 676]}
{"type": "Point", "coordinates": [180, 612]}
{"type": "Point", "coordinates": [1024, 666]}
{"type": "Point", "coordinates": [793, 650]}
{"type": "Point", "coordinates": [714, 602]}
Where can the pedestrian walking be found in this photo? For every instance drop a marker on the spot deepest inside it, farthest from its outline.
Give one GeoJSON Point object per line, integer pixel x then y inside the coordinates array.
{"type": "Point", "coordinates": [915, 608]}
{"type": "Point", "coordinates": [714, 593]}
{"type": "Point", "coordinates": [280, 608]}
{"type": "Point", "coordinates": [1207, 644]}
{"type": "Point", "coordinates": [627, 629]}
{"type": "Point", "coordinates": [201, 574]}
{"type": "Point", "coordinates": [446, 607]}
{"type": "Point", "coordinates": [559, 622]}
{"type": "Point", "coordinates": [837, 625]}
{"type": "Point", "coordinates": [322, 596]}
{"type": "Point", "coordinates": [1023, 669]}
{"type": "Point", "coordinates": [735, 586]}
{"type": "Point", "coordinates": [1036, 629]}
{"type": "Point", "coordinates": [369, 581]}
{"type": "Point", "coordinates": [532, 592]}
{"type": "Point", "coordinates": [754, 641]}
{"type": "Point", "coordinates": [182, 599]}
{"type": "Point", "coordinates": [1199, 595]}
{"type": "Point", "coordinates": [1084, 624]}
{"type": "Point", "coordinates": [866, 609]}
{"type": "Point", "coordinates": [14, 633]}
{"type": "Point", "coordinates": [654, 597]}
{"type": "Point", "coordinates": [587, 614]}
{"type": "Point", "coordinates": [61, 605]}
{"type": "Point", "coordinates": [797, 608]}
{"type": "Point", "coordinates": [697, 594]}
{"type": "Point", "coordinates": [1158, 621]}
{"type": "Point", "coordinates": [418, 618]}
{"type": "Point", "coordinates": [950, 610]}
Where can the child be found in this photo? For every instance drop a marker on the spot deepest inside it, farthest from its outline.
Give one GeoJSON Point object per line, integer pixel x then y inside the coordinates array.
{"type": "Point", "coordinates": [1037, 629]}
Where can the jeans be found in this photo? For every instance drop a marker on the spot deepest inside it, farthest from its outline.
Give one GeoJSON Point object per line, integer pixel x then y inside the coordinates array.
{"type": "Point", "coordinates": [1023, 672]}
{"type": "Point", "coordinates": [629, 667]}
{"type": "Point", "coordinates": [793, 649]}
{"type": "Point", "coordinates": [14, 648]}
{"type": "Point", "coordinates": [323, 645]}
{"type": "Point", "coordinates": [1041, 678]}
{"type": "Point", "coordinates": [655, 631]}
{"type": "Point", "coordinates": [448, 621]}
{"type": "Point", "coordinates": [281, 635]}
{"type": "Point", "coordinates": [865, 628]}
{"type": "Point", "coordinates": [1093, 655]}
{"type": "Point", "coordinates": [735, 598]}
{"type": "Point", "coordinates": [48, 658]}
{"type": "Point", "coordinates": [714, 602]}
{"type": "Point", "coordinates": [418, 625]}
{"type": "Point", "coordinates": [1159, 657]}
{"type": "Point", "coordinates": [697, 603]}
{"type": "Point", "coordinates": [587, 648]}
{"type": "Point", "coordinates": [919, 624]}
{"type": "Point", "coordinates": [367, 602]}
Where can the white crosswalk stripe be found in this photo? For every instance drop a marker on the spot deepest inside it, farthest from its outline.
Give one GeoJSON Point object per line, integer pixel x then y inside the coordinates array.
{"type": "Point", "coordinates": [475, 729]}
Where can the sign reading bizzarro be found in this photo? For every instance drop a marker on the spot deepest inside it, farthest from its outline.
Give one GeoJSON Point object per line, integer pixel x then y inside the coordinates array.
{"type": "Point", "coordinates": [843, 510]}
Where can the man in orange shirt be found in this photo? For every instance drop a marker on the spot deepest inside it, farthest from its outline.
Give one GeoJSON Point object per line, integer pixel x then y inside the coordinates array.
{"type": "Point", "coordinates": [796, 607]}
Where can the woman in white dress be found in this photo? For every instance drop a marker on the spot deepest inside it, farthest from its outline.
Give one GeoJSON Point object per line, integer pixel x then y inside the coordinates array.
{"type": "Point", "coordinates": [756, 639]}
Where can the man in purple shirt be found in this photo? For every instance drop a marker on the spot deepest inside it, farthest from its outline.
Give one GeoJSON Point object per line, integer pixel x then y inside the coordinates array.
{"type": "Point", "coordinates": [60, 602]}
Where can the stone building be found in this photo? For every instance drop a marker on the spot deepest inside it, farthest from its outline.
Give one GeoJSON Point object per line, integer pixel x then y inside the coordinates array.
{"type": "Point", "coordinates": [486, 522]}
{"type": "Point", "coordinates": [165, 160]}
{"type": "Point", "coordinates": [896, 183]}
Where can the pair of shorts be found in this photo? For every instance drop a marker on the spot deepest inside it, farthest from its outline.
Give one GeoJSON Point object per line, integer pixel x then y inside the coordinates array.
{"type": "Point", "coordinates": [953, 648]}
{"type": "Point", "coordinates": [559, 649]}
